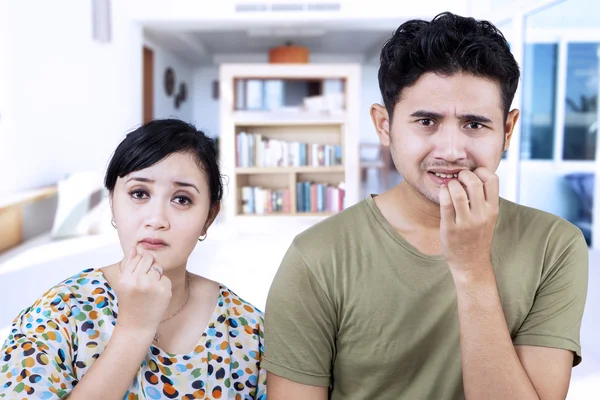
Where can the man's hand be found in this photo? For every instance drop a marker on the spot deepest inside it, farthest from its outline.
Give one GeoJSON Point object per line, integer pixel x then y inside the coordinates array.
{"type": "Point", "coordinates": [469, 210]}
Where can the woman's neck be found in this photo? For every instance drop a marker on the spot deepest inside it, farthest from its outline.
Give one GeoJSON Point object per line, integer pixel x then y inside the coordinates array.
{"type": "Point", "coordinates": [180, 289]}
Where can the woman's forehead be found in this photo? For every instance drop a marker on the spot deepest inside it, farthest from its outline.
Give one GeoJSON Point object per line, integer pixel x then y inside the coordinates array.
{"type": "Point", "coordinates": [174, 168]}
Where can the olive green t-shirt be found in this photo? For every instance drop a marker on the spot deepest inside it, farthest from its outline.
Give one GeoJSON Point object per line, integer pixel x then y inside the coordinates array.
{"type": "Point", "coordinates": [357, 308]}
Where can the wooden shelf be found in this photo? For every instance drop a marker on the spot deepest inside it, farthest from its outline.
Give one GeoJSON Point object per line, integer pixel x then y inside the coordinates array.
{"type": "Point", "coordinates": [267, 118]}
{"type": "Point", "coordinates": [306, 214]}
{"type": "Point", "coordinates": [340, 128]}
{"type": "Point", "coordinates": [288, 170]}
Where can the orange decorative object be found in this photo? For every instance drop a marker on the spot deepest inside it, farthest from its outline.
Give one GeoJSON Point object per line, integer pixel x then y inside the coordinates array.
{"type": "Point", "coordinates": [288, 54]}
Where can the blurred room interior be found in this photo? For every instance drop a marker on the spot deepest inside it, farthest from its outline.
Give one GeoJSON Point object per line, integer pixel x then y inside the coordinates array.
{"type": "Point", "coordinates": [264, 78]}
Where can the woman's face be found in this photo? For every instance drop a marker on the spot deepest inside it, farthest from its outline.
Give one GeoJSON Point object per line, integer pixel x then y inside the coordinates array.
{"type": "Point", "coordinates": [163, 209]}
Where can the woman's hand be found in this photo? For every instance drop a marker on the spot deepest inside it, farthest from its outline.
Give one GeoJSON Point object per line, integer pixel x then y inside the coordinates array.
{"type": "Point", "coordinates": [144, 293]}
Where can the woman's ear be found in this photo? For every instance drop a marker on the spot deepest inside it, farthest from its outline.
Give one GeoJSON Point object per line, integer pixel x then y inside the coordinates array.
{"type": "Point", "coordinates": [110, 203]}
{"type": "Point", "coordinates": [212, 214]}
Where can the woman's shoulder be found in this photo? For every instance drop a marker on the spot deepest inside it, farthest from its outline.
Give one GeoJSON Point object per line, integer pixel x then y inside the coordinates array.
{"type": "Point", "coordinates": [241, 312]}
{"type": "Point", "coordinates": [72, 302]}
{"type": "Point", "coordinates": [86, 287]}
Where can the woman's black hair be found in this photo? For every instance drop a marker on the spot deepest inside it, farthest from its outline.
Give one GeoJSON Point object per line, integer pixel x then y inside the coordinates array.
{"type": "Point", "coordinates": [158, 139]}
{"type": "Point", "coordinates": [447, 45]}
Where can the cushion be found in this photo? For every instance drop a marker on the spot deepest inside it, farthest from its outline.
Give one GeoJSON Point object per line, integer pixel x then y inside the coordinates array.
{"type": "Point", "coordinates": [83, 206]}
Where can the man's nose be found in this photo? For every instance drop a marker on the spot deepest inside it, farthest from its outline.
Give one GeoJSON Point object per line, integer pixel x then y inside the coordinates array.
{"type": "Point", "coordinates": [450, 144]}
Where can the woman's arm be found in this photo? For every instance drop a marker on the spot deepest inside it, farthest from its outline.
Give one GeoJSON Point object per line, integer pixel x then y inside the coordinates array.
{"type": "Point", "coordinates": [112, 373]}
{"type": "Point", "coordinates": [143, 297]}
{"type": "Point", "coordinates": [40, 356]}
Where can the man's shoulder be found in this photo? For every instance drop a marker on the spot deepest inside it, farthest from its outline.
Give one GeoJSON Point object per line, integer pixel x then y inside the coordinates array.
{"type": "Point", "coordinates": [334, 230]}
{"type": "Point", "coordinates": [531, 223]}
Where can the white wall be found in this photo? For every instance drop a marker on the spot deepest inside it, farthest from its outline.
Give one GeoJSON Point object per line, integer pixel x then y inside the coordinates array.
{"type": "Point", "coordinates": [72, 99]}
{"type": "Point", "coordinates": [164, 105]}
{"type": "Point", "coordinates": [370, 94]}
{"type": "Point", "coordinates": [6, 105]}
{"type": "Point", "coordinates": [188, 12]}
{"type": "Point", "coordinates": [206, 108]}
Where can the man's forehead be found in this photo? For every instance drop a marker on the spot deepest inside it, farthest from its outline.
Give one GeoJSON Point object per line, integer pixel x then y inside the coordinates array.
{"type": "Point", "coordinates": [452, 95]}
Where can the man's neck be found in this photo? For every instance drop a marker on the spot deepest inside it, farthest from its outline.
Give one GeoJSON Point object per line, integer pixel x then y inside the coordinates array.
{"type": "Point", "coordinates": [413, 216]}
{"type": "Point", "coordinates": [414, 208]}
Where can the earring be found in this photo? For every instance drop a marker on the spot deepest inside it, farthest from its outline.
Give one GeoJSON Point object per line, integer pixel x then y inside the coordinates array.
{"type": "Point", "coordinates": [113, 223]}
{"type": "Point", "coordinates": [203, 238]}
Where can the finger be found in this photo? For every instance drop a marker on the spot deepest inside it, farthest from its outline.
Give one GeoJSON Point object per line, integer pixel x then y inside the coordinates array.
{"type": "Point", "coordinates": [491, 185]}
{"type": "Point", "coordinates": [156, 270]}
{"type": "Point", "coordinates": [459, 200]}
{"type": "Point", "coordinates": [129, 263]}
{"type": "Point", "coordinates": [446, 207]}
{"type": "Point", "coordinates": [144, 265]}
{"type": "Point", "coordinates": [474, 188]}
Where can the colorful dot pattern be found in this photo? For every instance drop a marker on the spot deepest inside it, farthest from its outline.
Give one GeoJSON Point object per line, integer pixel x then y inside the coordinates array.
{"type": "Point", "coordinates": [55, 341]}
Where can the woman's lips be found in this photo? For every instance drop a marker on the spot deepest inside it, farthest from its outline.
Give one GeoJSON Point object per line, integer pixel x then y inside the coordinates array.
{"type": "Point", "coordinates": [153, 244]}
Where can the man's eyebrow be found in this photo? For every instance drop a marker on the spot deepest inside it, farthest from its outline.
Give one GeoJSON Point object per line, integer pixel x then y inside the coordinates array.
{"type": "Point", "coordinates": [426, 114]}
{"type": "Point", "coordinates": [475, 118]}
{"type": "Point", "coordinates": [468, 117]}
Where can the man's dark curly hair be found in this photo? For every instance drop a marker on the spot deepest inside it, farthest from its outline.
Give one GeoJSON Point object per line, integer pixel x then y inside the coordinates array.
{"type": "Point", "coordinates": [447, 45]}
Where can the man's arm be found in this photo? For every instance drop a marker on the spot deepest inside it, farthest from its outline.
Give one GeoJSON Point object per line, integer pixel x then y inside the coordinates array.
{"type": "Point", "coordinates": [492, 367]}
{"type": "Point", "coordinates": [300, 330]}
{"type": "Point", "coordinates": [281, 388]}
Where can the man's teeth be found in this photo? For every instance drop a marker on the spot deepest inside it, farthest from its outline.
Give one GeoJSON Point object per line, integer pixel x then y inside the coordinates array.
{"type": "Point", "coordinates": [446, 176]}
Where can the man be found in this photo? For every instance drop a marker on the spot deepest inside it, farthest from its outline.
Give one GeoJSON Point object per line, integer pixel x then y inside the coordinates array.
{"type": "Point", "coordinates": [437, 288]}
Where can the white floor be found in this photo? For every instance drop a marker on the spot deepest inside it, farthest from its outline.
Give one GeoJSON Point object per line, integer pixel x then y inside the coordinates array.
{"type": "Point", "coordinates": [245, 258]}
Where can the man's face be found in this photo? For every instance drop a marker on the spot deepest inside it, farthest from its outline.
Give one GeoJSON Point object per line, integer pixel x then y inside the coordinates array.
{"type": "Point", "coordinates": [443, 124]}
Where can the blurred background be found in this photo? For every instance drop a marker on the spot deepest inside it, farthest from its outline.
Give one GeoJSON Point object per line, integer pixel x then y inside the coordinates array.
{"type": "Point", "coordinates": [284, 87]}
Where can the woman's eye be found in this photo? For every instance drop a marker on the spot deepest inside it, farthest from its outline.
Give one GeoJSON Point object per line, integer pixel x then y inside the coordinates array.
{"type": "Point", "coordinates": [183, 200]}
{"type": "Point", "coordinates": [138, 194]}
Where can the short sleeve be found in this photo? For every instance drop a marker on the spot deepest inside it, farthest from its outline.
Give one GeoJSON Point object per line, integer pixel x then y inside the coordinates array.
{"type": "Point", "coordinates": [555, 317]}
{"type": "Point", "coordinates": [261, 387]}
{"type": "Point", "coordinates": [36, 361]}
{"type": "Point", "coordinates": [300, 324]}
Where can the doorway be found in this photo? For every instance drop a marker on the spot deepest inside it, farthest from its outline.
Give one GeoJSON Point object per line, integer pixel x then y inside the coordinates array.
{"type": "Point", "coordinates": [148, 85]}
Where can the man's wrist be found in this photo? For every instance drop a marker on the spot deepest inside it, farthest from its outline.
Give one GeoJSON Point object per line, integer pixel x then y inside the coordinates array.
{"type": "Point", "coordinates": [475, 274]}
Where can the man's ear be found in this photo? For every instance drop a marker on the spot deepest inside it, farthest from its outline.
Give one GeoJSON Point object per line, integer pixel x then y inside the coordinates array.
{"type": "Point", "coordinates": [509, 127]}
{"type": "Point", "coordinates": [212, 214]}
{"type": "Point", "coordinates": [381, 121]}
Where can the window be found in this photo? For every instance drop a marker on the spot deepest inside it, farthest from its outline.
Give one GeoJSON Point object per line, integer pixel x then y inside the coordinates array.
{"type": "Point", "coordinates": [580, 126]}
{"type": "Point", "coordinates": [539, 99]}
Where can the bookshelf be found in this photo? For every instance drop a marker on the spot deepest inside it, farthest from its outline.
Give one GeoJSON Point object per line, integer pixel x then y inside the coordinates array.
{"type": "Point", "coordinates": [289, 141]}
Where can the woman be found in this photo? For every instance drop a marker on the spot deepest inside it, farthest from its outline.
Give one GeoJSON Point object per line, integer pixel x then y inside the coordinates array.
{"type": "Point", "coordinates": [144, 328]}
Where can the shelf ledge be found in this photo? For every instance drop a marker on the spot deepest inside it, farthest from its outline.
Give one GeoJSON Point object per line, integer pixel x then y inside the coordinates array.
{"type": "Point", "coordinates": [268, 118]}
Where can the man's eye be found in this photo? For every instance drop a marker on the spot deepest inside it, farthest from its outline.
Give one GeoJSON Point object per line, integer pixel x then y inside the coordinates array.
{"type": "Point", "coordinates": [426, 122]}
{"type": "Point", "coordinates": [474, 125]}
